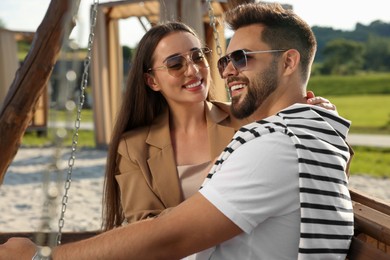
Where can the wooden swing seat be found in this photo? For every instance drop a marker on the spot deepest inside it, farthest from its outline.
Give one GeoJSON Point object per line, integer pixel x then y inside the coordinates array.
{"type": "Point", "coordinates": [371, 239]}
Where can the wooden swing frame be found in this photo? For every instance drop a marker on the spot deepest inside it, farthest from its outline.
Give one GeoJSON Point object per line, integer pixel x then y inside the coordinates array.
{"type": "Point", "coordinates": [371, 215]}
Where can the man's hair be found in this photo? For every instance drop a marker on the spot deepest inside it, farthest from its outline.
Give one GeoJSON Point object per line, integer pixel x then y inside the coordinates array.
{"type": "Point", "coordinates": [283, 29]}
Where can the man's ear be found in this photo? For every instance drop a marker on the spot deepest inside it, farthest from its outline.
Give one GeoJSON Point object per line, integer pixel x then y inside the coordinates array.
{"type": "Point", "coordinates": [151, 81]}
{"type": "Point", "coordinates": [291, 60]}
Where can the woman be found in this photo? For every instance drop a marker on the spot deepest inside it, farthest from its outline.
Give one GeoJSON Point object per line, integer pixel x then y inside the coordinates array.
{"type": "Point", "coordinates": [166, 134]}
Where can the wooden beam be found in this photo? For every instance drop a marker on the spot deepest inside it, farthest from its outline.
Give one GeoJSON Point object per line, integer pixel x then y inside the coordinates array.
{"type": "Point", "coordinates": [31, 79]}
{"type": "Point", "coordinates": [372, 222]}
{"type": "Point", "coordinates": [370, 201]}
{"type": "Point", "coordinates": [360, 250]}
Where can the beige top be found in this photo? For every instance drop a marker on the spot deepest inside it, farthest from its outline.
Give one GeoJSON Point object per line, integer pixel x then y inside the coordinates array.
{"type": "Point", "coordinates": [191, 177]}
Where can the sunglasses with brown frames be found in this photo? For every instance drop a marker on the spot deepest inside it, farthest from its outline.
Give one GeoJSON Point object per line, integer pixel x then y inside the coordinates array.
{"type": "Point", "coordinates": [177, 65]}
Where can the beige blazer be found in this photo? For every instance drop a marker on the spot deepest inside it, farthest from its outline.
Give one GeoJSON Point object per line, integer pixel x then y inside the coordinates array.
{"type": "Point", "coordinates": [147, 173]}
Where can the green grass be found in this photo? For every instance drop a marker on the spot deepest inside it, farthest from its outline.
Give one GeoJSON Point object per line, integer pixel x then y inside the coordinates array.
{"type": "Point", "coordinates": [368, 113]}
{"type": "Point", "coordinates": [86, 138]}
{"type": "Point", "coordinates": [371, 161]}
{"type": "Point", "coordinates": [362, 84]}
{"type": "Point", "coordinates": [63, 115]}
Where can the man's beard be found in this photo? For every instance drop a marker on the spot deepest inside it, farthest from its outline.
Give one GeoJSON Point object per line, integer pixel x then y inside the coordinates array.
{"type": "Point", "coordinates": [258, 90]}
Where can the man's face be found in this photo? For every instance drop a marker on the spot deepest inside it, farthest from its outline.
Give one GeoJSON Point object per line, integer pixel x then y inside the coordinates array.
{"type": "Point", "coordinates": [250, 86]}
{"type": "Point", "coordinates": [258, 89]}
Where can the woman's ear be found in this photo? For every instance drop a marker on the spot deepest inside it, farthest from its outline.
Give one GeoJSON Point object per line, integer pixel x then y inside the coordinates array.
{"type": "Point", "coordinates": [151, 81]}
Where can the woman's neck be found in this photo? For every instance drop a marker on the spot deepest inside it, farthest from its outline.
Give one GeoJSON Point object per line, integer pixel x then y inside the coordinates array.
{"type": "Point", "coordinates": [187, 118]}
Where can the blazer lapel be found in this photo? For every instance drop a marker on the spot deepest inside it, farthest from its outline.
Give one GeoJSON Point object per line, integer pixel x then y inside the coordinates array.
{"type": "Point", "coordinates": [219, 134]}
{"type": "Point", "coordinates": [162, 162]}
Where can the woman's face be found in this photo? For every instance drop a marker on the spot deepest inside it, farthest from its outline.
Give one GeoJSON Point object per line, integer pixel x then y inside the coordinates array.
{"type": "Point", "coordinates": [181, 81]}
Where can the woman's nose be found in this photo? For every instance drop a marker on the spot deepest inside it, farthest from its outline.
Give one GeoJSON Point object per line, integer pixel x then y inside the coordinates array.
{"type": "Point", "coordinates": [191, 68]}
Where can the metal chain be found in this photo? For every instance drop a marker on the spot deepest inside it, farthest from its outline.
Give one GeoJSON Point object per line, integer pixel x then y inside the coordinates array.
{"type": "Point", "coordinates": [216, 36]}
{"type": "Point", "coordinates": [71, 160]}
{"type": "Point", "coordinates": [214, 26]}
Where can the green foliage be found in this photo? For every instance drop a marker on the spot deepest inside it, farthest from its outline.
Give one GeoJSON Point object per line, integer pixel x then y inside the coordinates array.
{"type": "Point", "coordinates": [372, 161]}
{"type": "Point", "coordinates": [377, 54]}
{"type": "Point", "coordinates": [361, 34]}
{"type": "Point", "coordinates": [2, 24]}
{"type": "Point", "coordinates": [343, 57]}
{"type": "Point", "coordinates": [377, 27]}
{"type": "Point", "coordinates": [23, 49]}
{"type": "Point", "coordinates": [127, 53]}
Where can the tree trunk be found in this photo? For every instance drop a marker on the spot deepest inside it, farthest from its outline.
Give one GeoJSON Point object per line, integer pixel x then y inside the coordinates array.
{"type": "Point", "coordinates": [31, 78]}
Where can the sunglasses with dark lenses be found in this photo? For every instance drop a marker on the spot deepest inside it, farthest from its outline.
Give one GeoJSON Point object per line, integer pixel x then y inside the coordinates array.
{"type": "Point", "coordinates": [176, 65]}
{"type": "Point", "coordinates": [239, 59]}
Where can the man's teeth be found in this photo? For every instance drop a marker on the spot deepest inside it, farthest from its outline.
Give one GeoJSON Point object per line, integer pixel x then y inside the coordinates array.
{"type": "Point", "coordinates": [193, 84]}
{"type": "Point", "coordinates": [235, 87]}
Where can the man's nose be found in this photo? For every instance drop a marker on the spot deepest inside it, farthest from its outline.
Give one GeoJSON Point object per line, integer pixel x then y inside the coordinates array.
{"type": "Point", "coordinates": [229, 70]}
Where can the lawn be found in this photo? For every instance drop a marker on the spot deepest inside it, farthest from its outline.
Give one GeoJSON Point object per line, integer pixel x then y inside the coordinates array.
{"type": "Point", "coordinates": [369, 113]}
{"type": "Point", "coordinates": [362, 84]}
{"type": "Point", "coordinates": [371, 161]}
{"type": "Point", "coordinates": [86, 138]}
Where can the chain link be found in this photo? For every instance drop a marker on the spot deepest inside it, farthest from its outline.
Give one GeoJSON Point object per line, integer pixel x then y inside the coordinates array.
{"type": "Point", "coordinates": [77, 123]}
{"type": "Point", "coordinates": [214, 26]}
{"type": "Point", "coordinates": [216, 35]}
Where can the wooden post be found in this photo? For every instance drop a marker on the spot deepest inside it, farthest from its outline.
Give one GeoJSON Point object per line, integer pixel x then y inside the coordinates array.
{"type": "Point", "coordinates": [8, 60]}
{"type": "Point", "coordinates": [31, 79]}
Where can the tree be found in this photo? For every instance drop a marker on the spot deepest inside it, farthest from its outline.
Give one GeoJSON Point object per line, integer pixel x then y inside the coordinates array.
{"type": "Point", "coordinates": [127, 53]}
{"type": "Point", "coordinates": [343, 57]}
{"type": "Point", "coordinates": [377, 55]}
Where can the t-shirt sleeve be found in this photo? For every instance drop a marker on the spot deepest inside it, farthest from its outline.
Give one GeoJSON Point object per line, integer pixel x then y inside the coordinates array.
{"type": "Point", "coordinates": [257, 181]}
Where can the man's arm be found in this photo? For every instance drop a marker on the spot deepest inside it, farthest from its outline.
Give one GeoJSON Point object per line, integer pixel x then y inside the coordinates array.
{"type": "Point", "coordinates": [192, 226]}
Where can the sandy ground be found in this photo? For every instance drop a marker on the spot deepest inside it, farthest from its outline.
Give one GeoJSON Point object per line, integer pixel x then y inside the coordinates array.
{"type": "Point", "coordinates": [22, 196]}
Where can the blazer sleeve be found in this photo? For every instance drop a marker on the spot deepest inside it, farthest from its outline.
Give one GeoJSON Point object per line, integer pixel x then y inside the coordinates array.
{"type": "Point", "coordinates": [138, 199]}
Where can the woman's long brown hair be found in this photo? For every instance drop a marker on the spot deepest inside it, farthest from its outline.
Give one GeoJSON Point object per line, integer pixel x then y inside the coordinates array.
{"type": "Point", "coordinates": [140, 106]}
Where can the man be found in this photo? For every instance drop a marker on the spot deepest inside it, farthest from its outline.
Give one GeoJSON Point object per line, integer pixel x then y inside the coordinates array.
{"type": "Point", "coordinates": [278, 191]}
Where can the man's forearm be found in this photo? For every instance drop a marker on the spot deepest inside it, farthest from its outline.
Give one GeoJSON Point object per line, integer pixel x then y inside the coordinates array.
{"type": "Point", "coordinates": [184, 230]}
{"type": "Point", "coordinates": [136, 241]}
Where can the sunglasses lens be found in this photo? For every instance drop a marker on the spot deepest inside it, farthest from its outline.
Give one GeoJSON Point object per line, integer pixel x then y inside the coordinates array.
{"type": "Point", "coordinates": [175, 65]}
{"type": "Point", "coordinates": [222, 64]}
{"type": "Point", "coordinates": [238, 59]}
{"type": "Point", "coordinates": [198, 58]}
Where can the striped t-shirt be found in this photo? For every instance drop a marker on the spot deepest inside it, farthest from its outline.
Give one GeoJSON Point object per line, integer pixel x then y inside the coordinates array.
{"type": "Point", "coordinates": [326, 225]}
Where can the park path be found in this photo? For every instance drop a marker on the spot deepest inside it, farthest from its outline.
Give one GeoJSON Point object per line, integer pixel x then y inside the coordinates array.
{"type": "Point", "coordinates": [369, 140]}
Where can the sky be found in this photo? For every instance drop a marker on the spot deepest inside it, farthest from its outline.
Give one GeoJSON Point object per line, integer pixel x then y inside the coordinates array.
{"type": "Point", "coordinates": [26, 15]}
